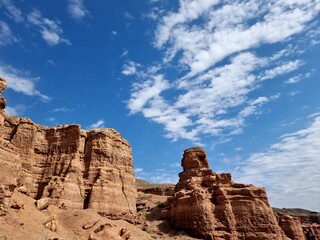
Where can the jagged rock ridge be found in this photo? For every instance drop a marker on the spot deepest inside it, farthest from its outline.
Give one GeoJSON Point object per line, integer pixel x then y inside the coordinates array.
{"type": "Point", "coordinates": [74, 168]}
{"type": "Point", "coordinates": [212, 206]}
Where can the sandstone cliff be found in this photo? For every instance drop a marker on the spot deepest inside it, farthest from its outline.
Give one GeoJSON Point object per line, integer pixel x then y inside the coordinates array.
{"type": "Point", "coordinates": [74, 168]}
{"type": "Point", "coordinates": [212, 206]}
{"type": "Point", "coordinates": [69, 169]}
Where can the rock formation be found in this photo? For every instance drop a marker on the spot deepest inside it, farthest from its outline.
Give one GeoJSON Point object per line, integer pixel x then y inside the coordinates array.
{"type": "Point", "coordinates": [299, 226]}
{"type": "Point", "coordinates": [212, 206]}
{"type": "Point", "coordinates": [292, 227]}
{"type": "Point", "coordinates": [67, 169]}
{"type": "Point", "coordinates": [74, 168]}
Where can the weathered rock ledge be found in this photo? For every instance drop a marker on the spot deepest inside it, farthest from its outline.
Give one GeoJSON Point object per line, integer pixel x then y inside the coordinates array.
{"type": "Point", "coordinates": [212, 206]}
{"type": "Point", "coordinates": [75, 168]}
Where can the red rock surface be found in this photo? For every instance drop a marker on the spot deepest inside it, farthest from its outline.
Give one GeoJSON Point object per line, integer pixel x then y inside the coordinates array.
{"type": "Point", "coordinates": [74, 168]}
{"type": "Point", "coordinates": [212, 206]}
{"type": "Point", "coordinates": [299, 224]}
{"type": "Point", "coordinates": [292, 227]}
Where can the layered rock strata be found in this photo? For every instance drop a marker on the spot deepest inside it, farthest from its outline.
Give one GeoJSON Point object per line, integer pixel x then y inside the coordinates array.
{"type": "Point", "coordinates": [73, 167]}
{"type": "Point", "coordinates": [212, 206]}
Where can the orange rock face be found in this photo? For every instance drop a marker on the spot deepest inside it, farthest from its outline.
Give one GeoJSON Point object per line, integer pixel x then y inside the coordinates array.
{"type": "Point", "coordinates": [212, 206]}
{"type": "Point", "coordinates": [74, 168]}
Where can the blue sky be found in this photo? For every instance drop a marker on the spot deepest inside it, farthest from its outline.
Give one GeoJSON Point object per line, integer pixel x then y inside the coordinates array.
{"type": "Point", "coordinates": [239, 78]}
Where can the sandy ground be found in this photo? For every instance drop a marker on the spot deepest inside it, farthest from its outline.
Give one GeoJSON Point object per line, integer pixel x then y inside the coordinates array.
{"type": "Point", "coordinates": [27, 222]}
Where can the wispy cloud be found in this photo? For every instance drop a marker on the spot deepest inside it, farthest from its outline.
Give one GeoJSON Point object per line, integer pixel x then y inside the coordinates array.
{"type": "Point", "coordinates": [77, 10]}
{"type": "Point", "coordinates": [288, 168]}
{"type": "Point", "coordinates": [159, 176]}
{"type": "Point", "coordinates": [212, 97]}
{"type": "Point", "coordinates": [61, 109]}
{"type": "Point", "coordinates": [98, 124]}
{"type": "Point", "coordinates": [127, 15]}
{"type": "Point", "coordinates": [125, 53]}
{"type": "Point", "coordinates": [282, 69]}
{"type": "Point", "coordinates": [220, 36]}
{"type": "Point", "coordinates": [50, 30]}
{"type": "Point", "coordinates": [11, 111]}
{"type": "Point", "coordinates": [164, 177]}
{"type": "Point", "coordinates": [17, 110]}
{"type": "Point", "coordinates": [129, 68]}
{"type": "Point", "coordinates": [21, 82]}
{"type": "Point", "coordinates": [298, 78]}
{"type": "Point", "coordinates": [6, 35]}
{"type": "Point", "coordinates": [138, 170]}
{"type": "Point", "coordinates": [11, 10]}
{"type": "Point", "coordinates": [203, 105]}
{"type": "Point", "coordinates": [143, 92]}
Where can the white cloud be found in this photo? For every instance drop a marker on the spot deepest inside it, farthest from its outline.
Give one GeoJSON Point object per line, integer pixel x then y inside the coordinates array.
{"type": "Point", "coordinates": [143, 92]}
{"type": "Point", "coordinates": [98, 124]}
{"type": "Point", "coordinates": [164, 177]}
{"type": "Point", "coordinates": [125, 53]}
{"type": "Point", "coordinates": [282, 69]}
{"type": "Point", "coordinates": [129, 68]}
{"type": "Point", "coordinates": [293, 93]}
{"type": "Point", "coordinates": [293, 80]}
{"type": "Point", "coordinates": [12, 11]}
{"type": "Point", "coordinates": [138, 170]}
{"type": "Point", "coordinates": [6, 35]}
{"type": "Point", "coordinates": [159, 176]}
{"type": "Point", "coordinates": [127, 15]}
{"type": "Point", "coordinates": [252, 107]}
{"type": "Point", "coordinates": [50, 30]}
{"type": "Point", "coordinates": [205, 44]}
{"type": "Point", "coordinates": [17, 110]}
{"type": "Point", "coordinates": [298, 78]}
{"type": "Point", "coordinates": [20, 82]}
{"type": "Point", "coordinates": [289, 169]}
{"type": "Point", "coordinates": [77, 10]}
{"type": "Point", "coordinates": [214, 55]}
{"type": "Point", "coordinates": [175, 165]}
{"type": "Point", "coordinates": [11, 111]}
{"type": "Point", "coordinates": [51, 119]}
{"type": "Point", "coordinates": [189, 10]}
{"type": "Point", "coordinates": [62, 109]}
{"type": "Point", "coordinates": [203, 103]}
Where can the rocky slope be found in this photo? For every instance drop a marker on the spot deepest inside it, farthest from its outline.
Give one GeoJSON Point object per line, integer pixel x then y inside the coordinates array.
{"type": "Point", "coordinates": [75, 168]}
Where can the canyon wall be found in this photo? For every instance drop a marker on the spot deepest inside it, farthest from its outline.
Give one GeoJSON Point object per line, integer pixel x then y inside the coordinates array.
{"type": "Point", "coordinates": [73, 167]}
{"type": "Point", "coordinates": [78, 169]}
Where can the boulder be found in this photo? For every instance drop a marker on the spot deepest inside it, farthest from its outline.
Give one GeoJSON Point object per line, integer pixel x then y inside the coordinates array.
{"type": "Point", "coordinates": [43, 203]}
{"type": "Point", "coordinates": [52, 225]}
